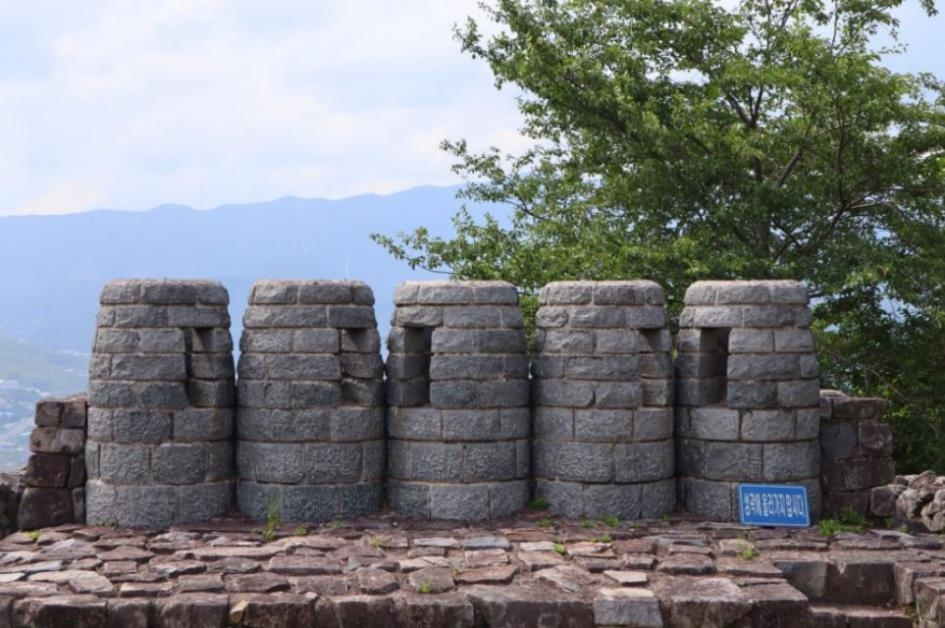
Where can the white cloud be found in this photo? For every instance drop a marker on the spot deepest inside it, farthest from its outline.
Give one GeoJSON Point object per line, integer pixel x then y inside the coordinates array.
{"type": "Point", "coordinates": [130, 105]}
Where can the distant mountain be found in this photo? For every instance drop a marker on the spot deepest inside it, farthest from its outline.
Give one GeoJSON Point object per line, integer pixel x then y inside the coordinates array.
{"type": "Point", "coordinates": [52, 268]}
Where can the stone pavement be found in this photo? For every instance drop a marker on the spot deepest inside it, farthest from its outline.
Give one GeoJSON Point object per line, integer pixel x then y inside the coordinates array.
{"type": "Point", "coordinates": [529, 571]}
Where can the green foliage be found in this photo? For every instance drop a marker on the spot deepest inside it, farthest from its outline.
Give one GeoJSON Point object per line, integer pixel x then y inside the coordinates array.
{"type": "Point", "coordinates": [848, 521]}
{"type": "Point", "coordinates": [688, 139]}
{"type": "Point", "coordinates": [587, 524]}
{"type": "Point", "coordinates": [603, 538]}
{"type": "Point", "coordinates": [424, 588]}
{"type": "Point", "coordinates": [33, 535]}
{"type": "Point", "coordinates": [559, 548]}
{"type": "Point", "coordinates": [273, 519]}
{"type": "Point", "coordinates": [611, 520]}
{"type": "Point", "coordinates": [300, 530]}
{"type": "Point", "coordinates": [749, 553]}
{"type": "Point", "coordinates": [539, 503]}
{"type": "Point", "coordinates": [544, 522]}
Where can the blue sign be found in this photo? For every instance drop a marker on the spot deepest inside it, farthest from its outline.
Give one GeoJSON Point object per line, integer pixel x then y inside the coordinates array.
{"type": "Point", "coordinates": [773, 505]}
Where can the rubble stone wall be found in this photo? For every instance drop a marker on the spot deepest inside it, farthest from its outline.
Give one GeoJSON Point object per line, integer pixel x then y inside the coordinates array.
{"type": "Point", "coordinates": [161, 396]}
{"type": "Point", "coordinates": [310, 421]}
{"type": "Point", "coordinates": [458, 401]}
{"type": "Point", "coordinates": [856, 446]}
{"type": "Point", "coordinates": [602, 400]}
{"type": "Point", "coordinates": [748, 396]}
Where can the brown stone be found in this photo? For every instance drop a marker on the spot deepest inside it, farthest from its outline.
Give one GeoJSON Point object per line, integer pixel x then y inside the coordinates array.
{"type": "Point", "coordinates": [930, 599]}
{"type": "Point", "coordinates": [828, 616]}
{"type": "Point", "coordinates": [501, 574]}
{"type": "Point", "coordinates": [431, 580]}
{"type": "Point", "coordinates": [209, 582]}
{"type": "Point", "coordinates": [694, 602]}
{"type": "Point", "coordinates": [145, 589]}
{"type": "Point", "coordinates": [861, 578]}
{"type": "Point", "coordinates": [234, 564]}
{"type": "Point", "coordinates": [806, 571]}
{"type": "Point", "coordinates": [207, 610]}
{"type": "Point", "coordinates": [906, 574]}
{"type": "Point", "coordinates": [534, 561]}
{"type": "Point", "coordinates": [296, 565]}
{"type": "Point", "coordinates": [279, 610]}
{"type": "Point", "coordinates": [485, 558]}
{"type": "Point", "coordinates": [256, 583]}
{"type": "Point", "coordinates": [48, 470]}
{"type": "Point", "coordinates": [130, 613]}
{"type": "Point", "coordinates": [686, 564]}
{"type": "Point", "coordinates": [29, 589]}
{"type": "Point", "coordinates": [61, 611]}
{"type": "Point", "coordinates": [45, 507]}
{"type": "Point", "coordinates": [376, 581]}
{"type": "Point", "coordinates": [528, 606]}
{"type": "Point", "coordinates": [357, 610]}
{"type": "Point", "coordinates": [777, 605]}
{"type": "Point", "coordinates": [754, 568]}
{"type": "Point", "coordinates": [567, 578]}
{"type": "Point", "coordinates": [127, 552]}
{"type": "Point", "coordinates": [448, 609]}
{"type": "Point", "coordinates": [322, 585]}
{"type": "Point", "coordinates": [175, 568]}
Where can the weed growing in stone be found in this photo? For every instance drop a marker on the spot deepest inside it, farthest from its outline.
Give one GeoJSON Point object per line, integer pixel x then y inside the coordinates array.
{"type": "Point", "coordinates": [560, 549]}
{"type": "Point", "coordinates": [273, 518]}
{"type": "Point", "coordinates": [424, 587]}
{"type": "Point", "coordinates": [301, 530]}
{"type": "Point", "coordinates": [544, 522]}
{"type": "Point", "coordinates": [602, 538]}
{"type": "Point", "coordinates": [539, 503]}
{"type": "Point", "coordinates": [33, 535]}
{"type": "Point", "coordinates": [847, 521]}
{"type": "Point", "coordinates": [611, 520]}
{"type": "Point", "coordinates": [587, 524]}
{"type": "Point", "coordinates": [749, 553]}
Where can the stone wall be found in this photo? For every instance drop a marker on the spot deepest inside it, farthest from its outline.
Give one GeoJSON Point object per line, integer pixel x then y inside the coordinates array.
{"type": "Point", "coordinates": [54, 479]}
{"type": "Point", "coordinates": [310, 422]}
{"type": "Point", "coordinates": [748, 397]}
{"type": "Point", "coordinates": [309, 426]}
{"type": "Point", "coordinates": [856, 447]}
{"type": "Point", "coordinates": [602, 400]}
{"type": "Point", "coordinates": [457, 395]}
{"type": "Point", "coordinates": [161, 396]}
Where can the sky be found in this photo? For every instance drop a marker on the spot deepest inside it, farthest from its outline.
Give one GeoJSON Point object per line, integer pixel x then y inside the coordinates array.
{"type": "Point", "coordinates": [129, 105]}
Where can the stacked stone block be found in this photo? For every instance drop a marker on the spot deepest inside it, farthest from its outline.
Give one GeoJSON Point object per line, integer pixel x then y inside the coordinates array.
{"type": "Point", "coordinates": [602, 400]}
{"type": "Point", "coordinates": [856, 447]}
{"type": "Point", "coordinates": [310, 421]}
{"type": "Point", "coordinates": [54, 480]}
{"type": "Point", "coordinates": [458, 394]}
{"type": "Point", "coordinates": [748, 397]}
{"type": "Point", "coordinates": [161, 397]}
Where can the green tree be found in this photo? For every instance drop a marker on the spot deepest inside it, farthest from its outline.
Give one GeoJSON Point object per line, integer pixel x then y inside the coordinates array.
{"type": "Point", "coordinates": [680, 139]}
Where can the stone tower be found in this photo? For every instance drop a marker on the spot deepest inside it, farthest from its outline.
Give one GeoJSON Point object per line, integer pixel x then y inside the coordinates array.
{"type": "Point", "coordinates": [747, 393]}
{"type": "Point", "coordinates": [602, 400]}
{"type": "Point", "coordinates": [458, 415]}
{"type": "Point", "coordinates": [161, 393]}
{"type": "Point", "coordinates": [310, 422]}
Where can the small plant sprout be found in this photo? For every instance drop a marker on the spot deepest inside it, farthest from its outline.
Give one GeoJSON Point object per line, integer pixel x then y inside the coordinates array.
{"type": "Point", "coordinates": [559, 548]}
{"type": "Point", "coordinates": [587, 524]}
{"type": "Point", "coordinates": [376, 542]}
{"type": "Point", "coordinates": [603, 538]}
{"type": "Point", "coordinates": [33, 535]}
{"type": "Point", "coordinates": [424, 587]}
{"type": "Point", "coordinates": [301, 530]}
{"type": "Point", "coordinates": [611, 520]}
{"type": "Point", "coordinates": [749, 553]}
{"type": "Point", "coordinates": [544, 522]}
{"type": "Point", "coordinates": [539, 503]}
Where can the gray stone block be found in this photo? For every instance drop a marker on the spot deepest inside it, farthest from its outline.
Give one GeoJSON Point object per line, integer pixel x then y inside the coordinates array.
{"type": "Point", "coordinates": [733, 462]}
{"type": "Point", "coordinates": [313, 394]}
{"type": "Point", "coordinates": [220, 460]}
{"type": "Point", "coordinates": [628, 293]}
{"type": "Point", "coordinates": [445, 367]}
{"type": "Point", "coordinates": [549, 366]}
{"type": "Point", "coordinates": [768, 426]}
{"type": "Point", "coordinates": [411, 499]}
{"type": "Point", "coordinates": [309, 503]}
{"type": "Point", "coordinates": [784, 462]}
{"type": "Point", "coordinates": [555, 392]}
{"type": "Point", "coordinates": [610, 341]}
{"type": "Point", "coordinates": [363, 392]}
{"type": "Point", "coordinates": [551, 316]}
{"type": "Point", "coordinates": [283, 463]}
{"type": "Point", "coordinates": [554, 423]}
{"type": "Point", "coordinates": [100, 425]}
{"type": "Point", "coordinates": [425, 461]}
{"type": "Point", "coordinates": [619, 368]}
{"type": "Point", "coordinates": [92, 466]}
{"type": "Point", "coordinates": [471, 425]}
{"type": "Point", "coordinates": [714, 500]}
{"type": "Point", "coordinates": [335, 463]}
{"type": "Point", "coordinates": [578, 462]}
{"type": "Point", "coordinates": [202, 502]}
{"type": "Point", "coordinates": [270, 316]}
{"type": "Point", "coordinates": [422, 423]}
{"type": "Point", "coordinates": [211, 366]}
{"type": "Point", "coordinates": [656, 365]}
{"type": "Point", "coordinates": [807, 423]}
{"type": "Point", "coordinates": [763, 367]}
{"type": "Point", "coordinates": [644, 462]}
{"type": "Point", "coordinates": [374, 460]}
{"type": "Point", "coordinates": [603, 425]}
{"type": "Point", "coordinates": [741, 292]}
{"type": "Point", "coordinates": [100, 508]}
{"type": "Point", "coordinates": [270, 340]}
{"type": "Point", "coordinates": [838, 440]}
{"type": "Point", "coordinates": [360, 341]}
{"type": "Point", "coordinates": [303, 367]}
{"type": "Point", "coordinates": [507, 498]}
{"type": "Point", "coordinates": [329, 292]}
{"type": "Point", "coordinates": [478, 341]}
{"type": "Point", "coordinates": [351, 317]}
{"type": "Point", "coordinates": [618, 394]}
{"type": "Point", "coordinates": [152, 507]}
{"type": "Point", "coordinates": [262, 424]}
{"type": "Point", "coordinates": [566, 293]}
{"type": "Point", "coordinates": [751, 341]}
{"type": "Point", "coordinates": [621, 500]}
{"type": "Point", "coordinates": [599, 316]}
{"type": "Point", "coordinates": [251, 366]}
{"type": "Point", "coordinates": [658, 392]}
{"type": "Point", "coordinates": [776, 316]}
{"type": "Point", "coordinates": [133, 426]}
{"type": "Point", "coordinates": [494, 292]}
{"type": "Point", "coordinates": [149, 395]}
{"type": "Point", "coordinates": [793, 340]}
{"type": "Point", "coordinates": [203, 424]}
{"type": "Point", "coordinates": [186, 316]}
{"type": "Point", "coordinates": [120, 292]}
{"type": "Point", "coordinates": [253, 499]}
{"type": "Point", "coordinates": [658, 498]}
{"type": "Point", "coordinates": [408, 393]}
{"type": "Point", "coordinates": [751, 394]}
{"type": "Point", "coordinates": [349, 424]}
{"type": "Point", "coordinates": [514, 423]}
{"type": "Point", "coordinates": [361, 365]}
{"type": "Point", "coordinates": [484, 394]}
{"type": "Point", "coordinates": [179, 464]}
{"type": "Point", "coordinates": [211, 393]}
{"type": "Point", "coordinates": [690, 456]}
{"type": "Point", "coordinates": [417, 316]}
{"type": "Point", "coordinates": [406, 293]}
{"type": "Point", "coordinates": [459, 501]}
{"type": "Point", "coordinates": [358, 500]}
{"type": "Point", "coordinates": [124, 464]}
{"type": "Point", "coordinates": [652, 424]}
{"type": "Point", "coordinates": [647, 317]}
{"type": "Point", "coordinates": [803, 393]}
{"type": "Point", "coordinates": [712, 316]}
{"type": "Point", "coordinates": [714, 423]}
{"type": "Point", "coordinates": [274, 293]}
{"type": "Point", "coordinates": [444, 293]}
{"type": "Point", "coordinates": [564, 498]}
{"type": "Point", "coordinates": [483, 462]}
{"type": "Point", "coordinates": [209, 340]}
{"type": "Point", "coordinates": [700, 293]}
{"type": "Point", "coordinates": [473, 316]}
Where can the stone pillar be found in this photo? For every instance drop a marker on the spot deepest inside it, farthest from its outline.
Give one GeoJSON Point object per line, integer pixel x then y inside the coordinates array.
{"type": "Point", "coordinates": [602, 400]}
{"type": "Point", "coordinates": [55, 474]}
{"type": "Point", "coordinates": [747, 393]}
{"type": "Point", "coordinates": [310, 422]}
{"type": "Point", "coordinates": [161, 394]}
{"type": "Point", "coordinates": [856, 447]}
{"type": "Point", "coordinates": [457, 393]}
